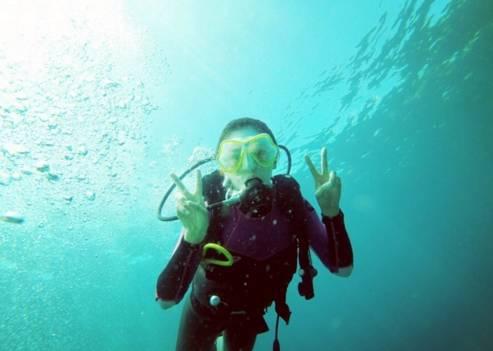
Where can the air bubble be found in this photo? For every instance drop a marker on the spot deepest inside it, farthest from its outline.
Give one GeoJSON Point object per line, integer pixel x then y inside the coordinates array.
{"type": "Point", "coordinates": [12, 217]}
{"type": "Point", "coordinates": [4, 178]}
{"type": "Point", "coordinates": [90, 195]}
{"type": "Point", "coordinates": [82, 151]}
{"type": "Point", "coordinates": [52, 177]}
{"type": "Point", "coordinates": [42, 166]}
{"type": "Point", "coordinates": [14, 149]}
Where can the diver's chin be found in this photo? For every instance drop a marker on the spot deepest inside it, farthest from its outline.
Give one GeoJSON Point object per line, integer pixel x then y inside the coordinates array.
{"type": "Point", "coordinates": [265, 181]}
{"type": "Point", "coordinates": [251, 177]}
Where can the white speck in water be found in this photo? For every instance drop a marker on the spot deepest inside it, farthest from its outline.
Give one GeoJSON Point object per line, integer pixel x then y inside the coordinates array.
{"type": "Point", "coordinates": [12, 217]}
{"type": "Point", "coordinates": [16, 176]}
{"type": "Point", "coordinates": [4, 178]}
{"type": "Point", "coordinates": [26, 171]}
{"type": "Point", "coordinates": [14, 149]}
{"type": "Point", "coordinates": [122, 137]}
{"type": "Point", "coordinates": [90, 195]}
{"type": "Point", "coordinates": [274, 222]}
{"type": "Point", "coordinates": [52, 177]}
{"type": "Point", "coordinates": [42, 166]}
{"type": "Point", "coordinates": [82, 150]}
{"type": "Point", "coordinates": [335, 323]}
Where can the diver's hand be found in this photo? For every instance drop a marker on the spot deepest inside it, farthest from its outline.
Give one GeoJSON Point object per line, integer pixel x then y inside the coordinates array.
{"type": "Point", "coordinates": [191, 210]}
{"type": "Point", "coordinates": [327, 186]}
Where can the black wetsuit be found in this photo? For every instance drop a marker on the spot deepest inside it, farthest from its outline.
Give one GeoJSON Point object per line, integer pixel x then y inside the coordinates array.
{"type": "Point", "coordinates": [261, 247]}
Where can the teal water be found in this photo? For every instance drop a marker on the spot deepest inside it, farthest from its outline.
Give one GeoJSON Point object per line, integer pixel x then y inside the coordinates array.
{"type": "Point", "coordinates": [100, 101]}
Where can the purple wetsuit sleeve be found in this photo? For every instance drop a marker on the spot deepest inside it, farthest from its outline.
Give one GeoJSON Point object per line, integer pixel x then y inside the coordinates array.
{"type": "Point", "coordinates": [329, 239]}
{"type": "Point", "coordinates": [174, 280]}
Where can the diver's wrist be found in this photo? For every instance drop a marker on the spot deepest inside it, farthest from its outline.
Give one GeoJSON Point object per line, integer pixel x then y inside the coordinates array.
{"type": "Point", "coordinates": [331, 214]}
{"type": "Point", "coordinates": [192, 242]}
{"type": "Point", "coordinates": [193, 238]}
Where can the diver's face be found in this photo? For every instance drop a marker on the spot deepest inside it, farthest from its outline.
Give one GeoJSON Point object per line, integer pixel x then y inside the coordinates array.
{"type": "Point", "coordinates": [249, 167]}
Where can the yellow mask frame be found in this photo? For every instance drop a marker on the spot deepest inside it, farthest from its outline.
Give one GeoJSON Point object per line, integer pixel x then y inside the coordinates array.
{"type": "Point", "coordinates": [253, 145]}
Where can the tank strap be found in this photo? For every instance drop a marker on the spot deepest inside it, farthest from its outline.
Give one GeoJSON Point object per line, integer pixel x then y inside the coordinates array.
{"type": "Point", "coordinates": [294, 206]}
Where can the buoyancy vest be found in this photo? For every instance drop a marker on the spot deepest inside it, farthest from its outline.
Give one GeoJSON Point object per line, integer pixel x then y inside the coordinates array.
{"type": "Point", "coordinates": [250, 284]}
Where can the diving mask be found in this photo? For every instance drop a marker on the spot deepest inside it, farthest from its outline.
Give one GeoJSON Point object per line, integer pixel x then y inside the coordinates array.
{"type": "Point", "coordinates": [228, 201]}
{"type": "Point", "coordinates": [232, 152]}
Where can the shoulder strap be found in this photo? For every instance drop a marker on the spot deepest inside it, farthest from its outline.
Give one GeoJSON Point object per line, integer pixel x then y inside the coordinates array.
{"type": "Point", "coordinates": [293, 204]}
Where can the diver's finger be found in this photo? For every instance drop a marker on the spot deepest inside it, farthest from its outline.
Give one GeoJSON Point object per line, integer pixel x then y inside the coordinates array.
{"type": "Point", "coordinates": [332, 176]}
{"type": "Point", "coordinates": [312, 168]}
{"type": "Point", "coordinates": [180, 185]}
{"type": "Point", "coordinates": [180, 210]}
{"type": "Point", "coordinates": [324, 161]}
{"type": "Point", "coordinates": [185, 212]}
{"type": "Point", "coordinates": [197, 207]}
{"type": "Point", "coordinates": [178, 196]}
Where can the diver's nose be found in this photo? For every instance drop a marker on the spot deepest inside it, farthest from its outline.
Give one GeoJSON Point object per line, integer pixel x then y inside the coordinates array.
{"type": "Point", "coordinates": [247, 164]}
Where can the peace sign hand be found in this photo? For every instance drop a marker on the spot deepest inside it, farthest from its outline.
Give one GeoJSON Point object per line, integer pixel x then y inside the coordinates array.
{"type": "Point", "coordinates": [327, 185]}
{"type": "Point", "coordinates": [191, 210]}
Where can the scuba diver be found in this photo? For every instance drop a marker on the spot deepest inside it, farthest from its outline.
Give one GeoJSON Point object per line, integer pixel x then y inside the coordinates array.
{"type": "Point", "coordinates": [244, 234]}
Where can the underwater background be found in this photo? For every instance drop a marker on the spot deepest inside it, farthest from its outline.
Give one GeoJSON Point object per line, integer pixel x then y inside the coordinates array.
{"type": "Point", "coordinates": [101, 100]}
